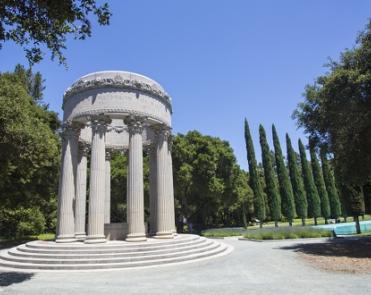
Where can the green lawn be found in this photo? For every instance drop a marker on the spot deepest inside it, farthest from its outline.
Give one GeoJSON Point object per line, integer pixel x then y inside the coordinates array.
{"type": "Point", "coordinates": [283, 231]}
{"type": "Point", "coordinates": [308, 221]}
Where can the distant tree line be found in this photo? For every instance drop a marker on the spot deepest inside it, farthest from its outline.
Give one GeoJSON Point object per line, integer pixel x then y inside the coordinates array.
{"type": "Point", "coordinates": [293, 188]}
{"type": "Point", "coordinates": [336, 114]}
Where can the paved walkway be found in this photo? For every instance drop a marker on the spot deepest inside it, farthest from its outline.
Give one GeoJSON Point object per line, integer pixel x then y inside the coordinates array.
{"type": "Point", "coordinates": [252, 268]}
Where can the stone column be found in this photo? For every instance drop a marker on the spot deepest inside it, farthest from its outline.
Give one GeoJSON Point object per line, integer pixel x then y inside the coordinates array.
{"type": "Point", "coordinates": [135, 193]}
{"type": "Point", "coordinates": [171, 189]}
{"type": "Point", "coordinates": [164, 228]}
{"type": "Point", "coordinates": [80, 203]}
{"type": "Point", "coordinates": [107, 203]}
{"type": "Point", "coordinates": [152, 189]}
{"type": "Point", "coordinates": [66, 193]}
{"type": "Point", "coordinates": [97, 181]}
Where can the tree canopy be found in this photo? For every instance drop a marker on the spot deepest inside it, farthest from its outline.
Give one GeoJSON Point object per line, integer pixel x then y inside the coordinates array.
{"type": "Point", "coordinates": [336, 112]}
{"type": "Point", "coordinates": [210, 188]}
{"type": "Point", "coordinates": [36, 24]}
{"type": "Point", "coordinates": [29, 144]}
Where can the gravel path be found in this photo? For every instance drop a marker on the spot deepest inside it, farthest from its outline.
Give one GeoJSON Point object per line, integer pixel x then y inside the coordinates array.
{"type": "Point", "coordinates": [252, 268]}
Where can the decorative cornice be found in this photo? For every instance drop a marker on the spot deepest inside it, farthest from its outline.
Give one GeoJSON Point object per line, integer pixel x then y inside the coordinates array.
{"type": "Point", "coordinates": [128, 113]}
{"type": "Point", "coordinates": [119, 83]}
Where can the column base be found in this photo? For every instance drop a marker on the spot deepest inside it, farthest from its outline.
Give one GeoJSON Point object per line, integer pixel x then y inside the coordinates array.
{"type": "Point", "coordinates": [80, 236]}
{"type": "Point", "coordinates": [136, 238]}
{"type": "Point", "coordinates": [95, 239]}
{"type": "Point", "coordinates": [164, 235]}
{"type": "Point", "coordinates": [65, 239]}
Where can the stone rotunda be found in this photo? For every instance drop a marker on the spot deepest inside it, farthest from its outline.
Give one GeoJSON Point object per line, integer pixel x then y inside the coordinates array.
{"type": "Point", "coordinates": [105, 112]}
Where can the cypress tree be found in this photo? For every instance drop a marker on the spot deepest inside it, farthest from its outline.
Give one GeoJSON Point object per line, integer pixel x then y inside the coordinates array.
{"type": "Point", "coordinates": [259, 204]}
{"type": "Point", "coordinates": [320, 184]}
{"type": "Point", "coordinates": [328, 176]}
{"type": "Point", "coordinates": [314, 203]}
{"type": "Point", "coordinates": [296, 182]}
{"type": "Point", "coordinates": [287, 197]}
{"type": "Point", "coordinates": [270, 181]}
{"type": "Point", "coordinates": [355, 200]}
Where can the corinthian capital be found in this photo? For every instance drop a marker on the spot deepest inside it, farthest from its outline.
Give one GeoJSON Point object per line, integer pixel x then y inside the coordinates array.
{"type": "Point", "coordinates": [84, 148]}
{"type": "Point", "coordinates": [71, 129]}
{"type": "Point", "coordinates": [135, 124]}
{"type": "Point", "coordinates": [162, 132]}
{"type": "Point", "coordinates": [99, 122]}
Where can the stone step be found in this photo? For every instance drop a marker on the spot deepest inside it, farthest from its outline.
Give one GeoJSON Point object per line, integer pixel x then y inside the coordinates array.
{"type": "Point", "coordinates": [112, 244]}
{"type": "Point", "coordinates": [214, 252]}
{"type": "Point", "coordinates": [117, 249]}
{"type": "Point", "coordinates": [111, 260]}
{"type": "Point", "coordinates": [98, 254]}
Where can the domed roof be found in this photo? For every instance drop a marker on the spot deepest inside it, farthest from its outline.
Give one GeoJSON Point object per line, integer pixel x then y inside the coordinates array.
{"type": "Point", "coordinates": [117, 79]}
{"type": "Point", "coordinates": [121, 75]}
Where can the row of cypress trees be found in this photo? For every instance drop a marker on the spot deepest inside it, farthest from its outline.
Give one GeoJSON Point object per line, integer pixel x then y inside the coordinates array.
{"type": "Point", "coordinates": [300, 189]}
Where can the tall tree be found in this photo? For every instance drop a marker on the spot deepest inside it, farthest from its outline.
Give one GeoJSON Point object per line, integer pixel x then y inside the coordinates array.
{"type": "Point", "coordinates": [335, 207]}
{"type": "Point", "coordinates": [270, 179]}
{"type": "Point", "coordinates": [259, 205]}
{"type": "Point", "coordinates": [314, 203]}
{"type": "Point", "coordinates": [297, 182]}
{"type": "Point", "coordinates": [355, 202]}
{"type": "Point", "coordinates": [336, 113]}
{"type": "Point", "coordinates": [207, 182]}
{"type": "Point", "coordinates": [287, 196]}
{"type": "Point", "coordinates": [320, 184]}
{"type": "Point", "coordinates": [46, 24]}
{"type": "Point", "coordinates": [29, 158]}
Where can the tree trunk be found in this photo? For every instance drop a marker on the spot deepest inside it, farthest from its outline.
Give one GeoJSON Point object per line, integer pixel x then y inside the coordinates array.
{"type": "Point", "coordinates": [358, 226]}
{"type": "Point", "coordinates": [315, 221]}
{"type": "Point", "coordinates": [290, 223]}
{"type": "Point", "coordinates": [303, 221]}
{"type": "Point", "coordinates": [261, 224]}
{"type": "Point", "coordinates": [275, 223]}
{"type": "Point", "coordinates": [326, 221]}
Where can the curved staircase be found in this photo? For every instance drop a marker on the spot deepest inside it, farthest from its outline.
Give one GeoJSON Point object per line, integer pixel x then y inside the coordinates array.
{"type": "Point", "coordinates": [46, 255]}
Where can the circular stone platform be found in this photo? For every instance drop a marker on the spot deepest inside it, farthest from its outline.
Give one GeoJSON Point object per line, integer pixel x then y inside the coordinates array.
{"type": "Point", "coordinates": [47, 255]}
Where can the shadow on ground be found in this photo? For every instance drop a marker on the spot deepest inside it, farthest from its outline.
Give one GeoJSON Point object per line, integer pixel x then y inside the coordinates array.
{"type": "Point", "coordinates": [348, 247]}
{"type": "Point", "coordinates": [10, 278]}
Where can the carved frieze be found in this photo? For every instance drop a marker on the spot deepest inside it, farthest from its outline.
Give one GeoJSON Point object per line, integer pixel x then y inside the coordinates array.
{"type": "Point", "coordinates": [117, 82]}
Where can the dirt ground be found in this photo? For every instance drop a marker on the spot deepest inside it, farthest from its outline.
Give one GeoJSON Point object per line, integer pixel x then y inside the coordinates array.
{"type": "Point", "coordinates": [352, 255]}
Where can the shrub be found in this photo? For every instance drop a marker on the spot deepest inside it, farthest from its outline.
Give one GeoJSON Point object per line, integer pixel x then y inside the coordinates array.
{"type": "Point", "coordinates": [21, 222]}
{"type": "Point", "coordinates": [286, 233]}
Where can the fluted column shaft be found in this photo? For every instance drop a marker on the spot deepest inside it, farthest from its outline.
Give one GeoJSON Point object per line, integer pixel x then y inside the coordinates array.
{"type": "Point", "coordinates": [66, 193]}
{"type": "Point", "coordinates": [164, 228]}
{"type": "Point", "coordinates": [135, 193]}
{"type": "Point", "coordinates": [107, 204]}
{"type": "Point", "coordinates": [152, 189]}
{"type": "Point", "coordinates": [171, 191]}
{"type": "Point", "coordinates": [80, 203]}
{"type": "Point", "coordinates": [97, 183]}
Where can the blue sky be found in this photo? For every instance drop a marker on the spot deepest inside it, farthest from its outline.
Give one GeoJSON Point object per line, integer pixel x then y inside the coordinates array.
{"type": "Point", "coordinates": [221, 61]}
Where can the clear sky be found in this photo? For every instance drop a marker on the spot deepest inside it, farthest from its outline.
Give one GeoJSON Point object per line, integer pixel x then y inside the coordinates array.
{"type": "Point", "coordinates": [221, 61]}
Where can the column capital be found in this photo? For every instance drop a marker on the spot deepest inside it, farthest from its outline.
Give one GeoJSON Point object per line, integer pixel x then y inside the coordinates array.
{"type": "Point", "coordinates": [99, 122]}
{"type": "Point", "coordinates": [71, 129]}
{"type": "Point", "coordinates": [162, 131]}
{"type": "Point", "coordinates": [135, 124]}
{"type": "Point", "coordinates": [84, 148]}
